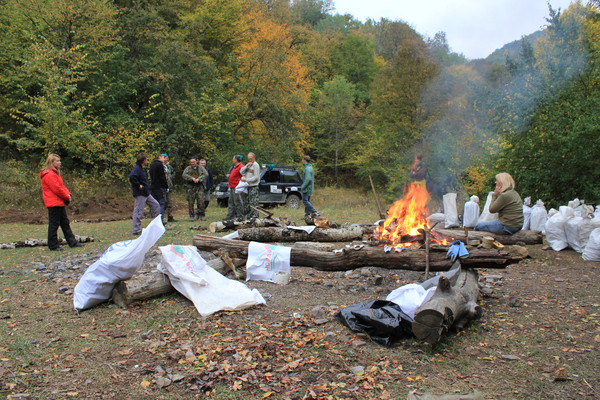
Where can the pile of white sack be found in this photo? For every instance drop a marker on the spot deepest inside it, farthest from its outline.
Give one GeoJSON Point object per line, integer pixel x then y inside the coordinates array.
{"type": "Point", "coordinates": [575, 225]}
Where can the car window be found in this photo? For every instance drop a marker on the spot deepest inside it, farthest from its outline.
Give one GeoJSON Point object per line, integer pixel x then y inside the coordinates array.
{"type": "Point", "coordinates": [290, 176]}
{"type": "Point", "coordinates": [271, 176]}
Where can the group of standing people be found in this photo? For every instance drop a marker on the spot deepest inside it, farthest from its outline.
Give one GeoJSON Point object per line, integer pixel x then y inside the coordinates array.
{"type": "Point", "coordinates": [157, 195]}
{"type": "Point", "coordinates": [244, 197]}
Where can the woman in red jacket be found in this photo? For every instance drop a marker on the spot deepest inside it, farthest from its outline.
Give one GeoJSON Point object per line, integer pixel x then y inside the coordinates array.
{"type": "Point", "coordinates": [56, 197]}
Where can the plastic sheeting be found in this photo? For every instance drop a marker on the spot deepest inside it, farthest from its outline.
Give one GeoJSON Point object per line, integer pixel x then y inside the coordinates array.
{"type": "Point", "coordinates": [119, 262]}
{"type": "Point", "coordinates": [210, 291]}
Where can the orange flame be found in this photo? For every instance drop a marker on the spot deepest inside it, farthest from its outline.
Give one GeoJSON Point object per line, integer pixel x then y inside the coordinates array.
{"type": "Point", "coordinates": [406, 218]}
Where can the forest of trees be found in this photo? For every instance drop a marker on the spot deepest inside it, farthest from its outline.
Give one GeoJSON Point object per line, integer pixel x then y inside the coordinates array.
{"type": "Point", "coordinates": [98, 81]}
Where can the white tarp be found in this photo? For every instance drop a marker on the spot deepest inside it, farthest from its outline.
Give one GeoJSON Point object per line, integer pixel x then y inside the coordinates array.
{"type": "Point", "coordinates": [266, 259]}
{"type": "Point", "coordinates": [119, 262]}
{"type": "Point", "coordinates": [210, 291]}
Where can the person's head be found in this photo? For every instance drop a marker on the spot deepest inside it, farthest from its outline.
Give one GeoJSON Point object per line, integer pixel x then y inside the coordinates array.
{"type": "Point", "coordinates": [142, 158]}
{"type": "Point", "coordinates": [305, 160]}
{"type": "Point", "coordinates": [53, 161]}
{"type": "Point", "coordinates": [202, 162]}
{"type": "Point", "coordinates": [161, 158]}
{"type": "Point", "coordinates": [251, 157]}
{"type": "Point", "coordinates": [504, 181]}
{"type": "Point", "coordinates": [236, 159]}
{"type": "Point", "coordinates": [193, 161]}
{"type": "Point", "coordinates": [419, 157]}
{"type": "Point", "coordinates": [165, 158]}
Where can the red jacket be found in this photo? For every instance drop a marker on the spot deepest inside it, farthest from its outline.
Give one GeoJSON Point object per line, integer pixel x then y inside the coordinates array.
{"type": "Point", "coordinates": [53, 189]}
{"type": "Point", "coordinates": [235, 176]}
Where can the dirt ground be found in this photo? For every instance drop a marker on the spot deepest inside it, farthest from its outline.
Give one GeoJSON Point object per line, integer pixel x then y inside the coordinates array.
{"type": "Point", "coordinates": [93, 210]}
{"type": "Point", "coordinates": [538, 337]}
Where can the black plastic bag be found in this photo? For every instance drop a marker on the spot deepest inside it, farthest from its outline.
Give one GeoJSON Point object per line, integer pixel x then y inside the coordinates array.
{"type": "Point", "coordinates": [382, 320]}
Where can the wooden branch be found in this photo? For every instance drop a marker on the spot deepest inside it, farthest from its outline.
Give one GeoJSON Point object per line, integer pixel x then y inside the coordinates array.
{"type": "Point", "coordinates": [275, 234]}
{"type": "Point", "coordinates": [349, 258]}
{"type": "Point", "coordinates": [451, 306]}
{"type": "Point", "coordinates": [527, 237]}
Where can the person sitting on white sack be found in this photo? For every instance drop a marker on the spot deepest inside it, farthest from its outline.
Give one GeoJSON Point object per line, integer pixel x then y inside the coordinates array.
{"type": "Point", "coordinates": [509, 206]}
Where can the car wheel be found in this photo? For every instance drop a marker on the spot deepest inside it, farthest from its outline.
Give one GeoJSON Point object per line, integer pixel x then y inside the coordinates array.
{"type": "Point", "coordinates": [292, 201]}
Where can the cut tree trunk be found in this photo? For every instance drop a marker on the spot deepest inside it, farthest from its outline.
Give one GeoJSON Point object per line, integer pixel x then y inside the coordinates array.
{"type": "Point", "coordinates": [453, 304]}
{"type": "Point", "coordinates": [141, 287]}
{"type": "Point", "coordinates": [362, 256]}
{"type": "Point", "coordinates": [275, 234]}
{"type": "Point", "coordinates": [527, 237]}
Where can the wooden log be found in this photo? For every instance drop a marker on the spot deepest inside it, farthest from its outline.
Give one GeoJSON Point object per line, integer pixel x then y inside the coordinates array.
{"type": "Point", "coordinates": [276, 234]}
{"type": "Point", "coordinates": [452, 305]}
{"type": "Point", "coordinates": [141, 287]}
{"type": "Point", "coordinates": [221, 226]}
{"type": "Point", "coordinates": [352, 258]}
{"type": "Point", "coordinates": [527, 237]}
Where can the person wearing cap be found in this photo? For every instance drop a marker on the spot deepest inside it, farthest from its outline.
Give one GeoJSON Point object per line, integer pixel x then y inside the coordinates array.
{"type": "Point", "coordinates": [170, 175]}
{"type": "Point", "coordinates": [194, 176]}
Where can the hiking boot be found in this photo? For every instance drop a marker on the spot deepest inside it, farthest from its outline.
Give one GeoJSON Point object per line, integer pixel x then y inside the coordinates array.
{"type": "Point", "coordinates": [171, 219]}
{"type": "Point", "coordinates": [202, 218]}
{"type": "Point", "coordinates": [57, 249]}
{"type": "Point", "coordinates": [191, 219]}
{"type": "Point", "coordinates": [77, 245]}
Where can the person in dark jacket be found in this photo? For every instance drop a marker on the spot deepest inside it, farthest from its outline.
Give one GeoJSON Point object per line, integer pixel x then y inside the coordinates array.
{"type": "Point", "coordinates": [159, 185]}
{"type": "Point", "coordinates": [141, 192]}
{"type": "Point", "coordinates": [208, 183]}
{"type": "Point", "coordinates": [56, 198]}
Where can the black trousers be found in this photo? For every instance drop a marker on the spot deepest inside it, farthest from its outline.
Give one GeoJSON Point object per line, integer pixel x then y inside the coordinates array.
{"type": "Point", "coordinates": [57, 217]}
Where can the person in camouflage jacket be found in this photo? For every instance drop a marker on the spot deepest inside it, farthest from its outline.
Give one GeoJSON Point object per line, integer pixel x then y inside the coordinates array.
{"type": "Point", "coordinates": [194, 176]}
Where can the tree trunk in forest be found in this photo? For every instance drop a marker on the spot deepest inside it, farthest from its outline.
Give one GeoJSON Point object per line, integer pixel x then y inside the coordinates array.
{"type": "Point", "coordinates": [362, 256]}
{"type": "Point", "coordinates": [527, 237]}
{"type": "Point", "coordinates": [273, 234]}
{"type": "Point", "coordinates": [453, 304]}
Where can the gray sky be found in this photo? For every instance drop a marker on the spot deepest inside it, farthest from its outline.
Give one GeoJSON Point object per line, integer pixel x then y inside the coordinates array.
{"type": "Point", "coordinates": [474, 28]}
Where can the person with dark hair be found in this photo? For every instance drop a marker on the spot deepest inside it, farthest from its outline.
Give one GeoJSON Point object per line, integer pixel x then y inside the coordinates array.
{"type": "Point", "coordinates": [308, 186]}
{"type": "Point", "coordinates": [159, 185]}
{"type": "Point", "coordinates": [56, 198]}
{"type": "Point", "coordinates": [509, 206]}
{"type": "Point", "coordinates": [418, 172]}
{"type": "Point", "coordinates": [141, 192]}
{"type": "Point", "coordinates": [251, 174]}
{"type": "Point", "coordinates": [194, 176]}
{"type": "Point", "coordinates": [235, 208]}
{"type": "Point", "coordinates": [208, 182]}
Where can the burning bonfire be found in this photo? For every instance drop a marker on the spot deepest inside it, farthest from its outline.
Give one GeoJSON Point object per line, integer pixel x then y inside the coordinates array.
{"type": "Point", "coordinates": [406, 224]}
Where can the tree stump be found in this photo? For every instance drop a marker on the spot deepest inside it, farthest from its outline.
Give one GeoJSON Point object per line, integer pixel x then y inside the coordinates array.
{"type": "Point", "coordinates": [453, 304]}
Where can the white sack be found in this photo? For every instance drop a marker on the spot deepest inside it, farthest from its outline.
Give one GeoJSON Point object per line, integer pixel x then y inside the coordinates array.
{"type": "Point", "coordinates": [597, 212]}
{"type": "Point", "coordinates": [435, 217]}
{"type": "Point", "coordinates": [451, 220]}
{"type": "Point", "coordinates": [555, 228]}
{"type": "Point", "coordinates": [210, 291]}
{"type": "Point", "coordinates": [266, 259]}
{"type": "Point", "coordinates": [578, 230]}
{"type": "Point", "coordinates": [526, 218]}
{"type": "Point", "coordinates": [591, 252]}
{"type": "Point", "coordinates": [410, 297]}
{"type": "Point", "coordinates": [539, 216]}
{"type": "Point", "coordinates": [471, 212]}
{"type": "Point", "coordinates": [119, 262]}
{"type": "Point", "coordinates": [485, 214]}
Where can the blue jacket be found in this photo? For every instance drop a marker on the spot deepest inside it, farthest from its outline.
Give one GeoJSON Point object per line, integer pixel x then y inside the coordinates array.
{"type": "Point", "coordinates": [137, 177]}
